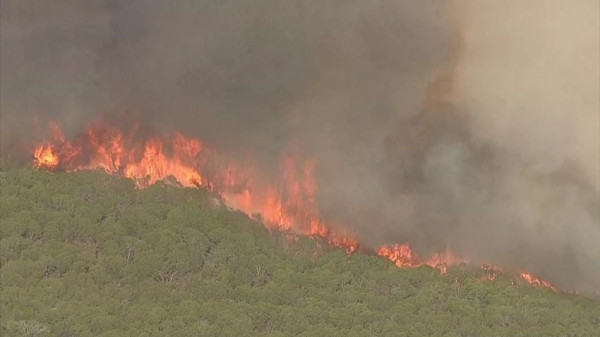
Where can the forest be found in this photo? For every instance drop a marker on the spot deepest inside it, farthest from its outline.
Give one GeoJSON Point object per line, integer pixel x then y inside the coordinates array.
{"type": "Point", "coordinates": [88, 254]}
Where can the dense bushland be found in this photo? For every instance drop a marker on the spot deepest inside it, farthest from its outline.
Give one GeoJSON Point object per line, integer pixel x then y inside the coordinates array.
{"type": "Point", "coordinates": [87, 254]}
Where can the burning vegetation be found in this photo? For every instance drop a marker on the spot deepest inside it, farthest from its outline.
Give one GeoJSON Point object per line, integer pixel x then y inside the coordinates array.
{"type": "Point", "coordinates": [408, 167]}
{"type": "Point", "coordinates": [287, 202]}
{"type": "Point", "coordinates": [103, 254]}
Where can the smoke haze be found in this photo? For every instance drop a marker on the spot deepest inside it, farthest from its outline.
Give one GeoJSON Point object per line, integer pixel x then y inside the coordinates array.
{"type": "Point", "coordinates": [467, 125]}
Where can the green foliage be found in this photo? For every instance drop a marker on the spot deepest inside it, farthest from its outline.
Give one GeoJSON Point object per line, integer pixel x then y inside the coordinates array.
{"type": "Point", "coordinates": [86, 254]}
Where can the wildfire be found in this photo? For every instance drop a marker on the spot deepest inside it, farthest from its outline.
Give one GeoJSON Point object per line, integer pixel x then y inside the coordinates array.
{"type": "Point", "coordinates": [106, 148]}
{"type": "Point", "coordinates": [490, 273]}
{"type": "Point", "coordinates": [403, 256]}
{"type": "Point", "coordinates": [286, 203]}
{"type": "Point", "coordinates": [536, 281]}
{"type": "Point", "coordinates": [45, 157]}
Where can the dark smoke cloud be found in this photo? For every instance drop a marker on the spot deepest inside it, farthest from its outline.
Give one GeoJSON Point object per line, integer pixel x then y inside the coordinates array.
{"type": "Point", "coordinates": [431, 122]}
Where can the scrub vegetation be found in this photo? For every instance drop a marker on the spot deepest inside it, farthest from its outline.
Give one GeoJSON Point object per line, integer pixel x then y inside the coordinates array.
{"type": "Point", "coordinates": [88, 254]}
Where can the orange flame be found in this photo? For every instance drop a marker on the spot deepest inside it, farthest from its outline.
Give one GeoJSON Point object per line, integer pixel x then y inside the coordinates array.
{"type": "Point", "coordinates": [287, 203]}
{"type": "Point", "coordinates": [45, 157]}
{"type": "Point", "coordinates": [103, 147]}
{"type": "Point", "coordinates": [536, 281]}
{"type": "Point", "coordinates": [492, 272]}
{"type": "Point", "coordinates": [403, 256]}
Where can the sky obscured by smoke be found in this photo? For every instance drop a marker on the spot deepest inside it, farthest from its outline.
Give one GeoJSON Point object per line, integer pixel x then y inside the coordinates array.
{"type": "Point", "coordinates": [472, 125]}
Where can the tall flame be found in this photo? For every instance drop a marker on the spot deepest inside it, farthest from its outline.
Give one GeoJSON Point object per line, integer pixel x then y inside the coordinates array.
{"type": "Point", "coordinates": [286, 203]}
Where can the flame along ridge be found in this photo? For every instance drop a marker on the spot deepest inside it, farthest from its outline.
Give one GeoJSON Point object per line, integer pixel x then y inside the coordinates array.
{"type": "Point", "coordinates": [286, 205]}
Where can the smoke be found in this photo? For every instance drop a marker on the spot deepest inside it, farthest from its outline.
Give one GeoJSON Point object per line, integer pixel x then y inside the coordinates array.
{"type": "Point", "coordinates": [455, 125]}
{"type": "Point", "coordinates": [529, 81]}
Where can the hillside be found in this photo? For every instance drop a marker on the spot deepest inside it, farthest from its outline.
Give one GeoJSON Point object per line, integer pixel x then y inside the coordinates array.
{"type": "Point", "coordinates": [87, 254]}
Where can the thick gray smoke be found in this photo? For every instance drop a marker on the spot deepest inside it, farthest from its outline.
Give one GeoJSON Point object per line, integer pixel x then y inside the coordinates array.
{"type": "Point", "coordinates": [466, 125]}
